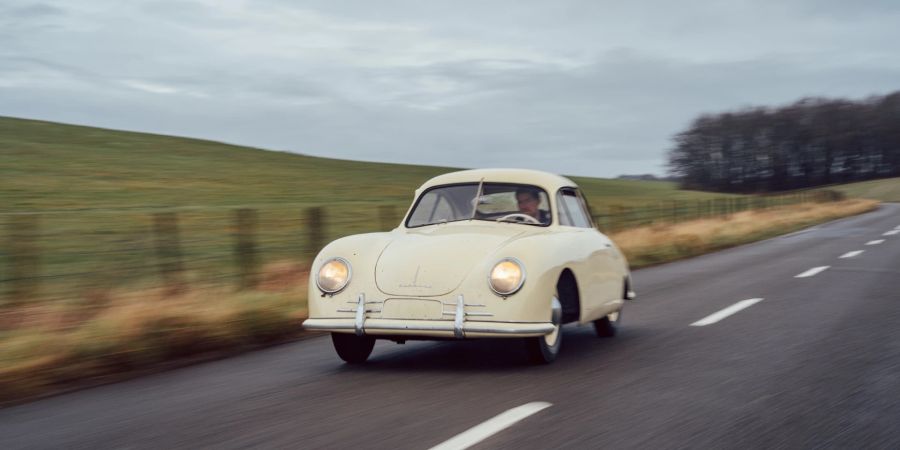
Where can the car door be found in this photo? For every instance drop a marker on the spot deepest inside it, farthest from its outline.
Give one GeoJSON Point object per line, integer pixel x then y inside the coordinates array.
{"type": "Point", "coordinates": [599, 282]}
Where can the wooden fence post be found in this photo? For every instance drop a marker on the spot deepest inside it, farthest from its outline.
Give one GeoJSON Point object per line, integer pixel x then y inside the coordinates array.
{"type": "Point", "coordinates": [315, 219]}
{"type": "Point", "coordinates": [606, 219]}
{"type": "Point", "coordinates": [24, 258]}
{"type": "Point", "coordinates": [601, 222]}
{"type": "Point", "coordinates": [619, 217]}
{"type": "Point", "coordinates": [246, 221]}
{"type": "Point", "coordinates": [168, 251]}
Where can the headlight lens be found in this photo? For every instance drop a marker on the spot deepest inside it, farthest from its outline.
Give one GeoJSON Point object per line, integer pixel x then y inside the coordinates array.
{"type": "Point", "coordinates": [507, 276]}
{"type": "Point", "coordinates": [333, 276]}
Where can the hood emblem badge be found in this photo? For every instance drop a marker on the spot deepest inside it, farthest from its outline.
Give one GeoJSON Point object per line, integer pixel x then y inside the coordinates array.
{"type": "Point", "coordinates": [415, 280]}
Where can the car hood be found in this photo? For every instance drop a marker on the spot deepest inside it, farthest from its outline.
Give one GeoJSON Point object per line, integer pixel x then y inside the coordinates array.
{"type": "Point", "coordinates": [434, 260]}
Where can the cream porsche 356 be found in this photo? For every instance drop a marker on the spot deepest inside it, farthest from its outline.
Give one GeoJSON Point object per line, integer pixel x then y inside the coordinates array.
{"type": "Point", "coordinates": [488, 253]}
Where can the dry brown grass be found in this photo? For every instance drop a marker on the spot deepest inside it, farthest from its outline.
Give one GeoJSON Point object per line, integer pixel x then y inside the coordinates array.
{"type": "Point", "coordinates": [657, 244]}
{"type": "Point", "coordinates": [48, 346]}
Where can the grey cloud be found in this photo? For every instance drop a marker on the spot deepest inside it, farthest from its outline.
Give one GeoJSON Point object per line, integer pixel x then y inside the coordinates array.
{"type": "Point", "coordinates": [32, 11]}
{"type": "Point", "coordinates": [577, 87]}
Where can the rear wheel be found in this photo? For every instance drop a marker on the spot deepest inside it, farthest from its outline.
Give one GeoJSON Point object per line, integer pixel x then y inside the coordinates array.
{"type": "Point", "coordinates": [543, 349]}
{"type": "Point", "coordinates": [352, 348]}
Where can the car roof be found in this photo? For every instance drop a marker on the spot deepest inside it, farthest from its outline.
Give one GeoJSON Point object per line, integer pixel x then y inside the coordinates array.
{"type": "Point", "coordinates": [550, 182]}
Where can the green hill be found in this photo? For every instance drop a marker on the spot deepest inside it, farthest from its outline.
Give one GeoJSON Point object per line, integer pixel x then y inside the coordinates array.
{"type": "Point", "coordinates": [52, 166]}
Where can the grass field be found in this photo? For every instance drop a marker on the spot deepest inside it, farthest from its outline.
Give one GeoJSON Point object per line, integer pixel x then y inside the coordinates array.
{"type": "Point", "coordinates": [887, 190]}
{"type": "Point", "coordinates": [81, 203]}
{"type": "Point", "coordinates": [95, 190]}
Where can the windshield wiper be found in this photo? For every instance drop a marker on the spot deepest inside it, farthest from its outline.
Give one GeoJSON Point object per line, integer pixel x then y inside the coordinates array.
{"type": "Point", "coordinates": [477, 199]}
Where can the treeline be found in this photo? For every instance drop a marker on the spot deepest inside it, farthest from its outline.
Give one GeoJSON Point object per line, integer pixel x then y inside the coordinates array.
{"type": "Point", "coordinates": [813, 142]}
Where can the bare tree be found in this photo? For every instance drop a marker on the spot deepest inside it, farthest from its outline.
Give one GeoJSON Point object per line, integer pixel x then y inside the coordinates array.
{"type": "Point", "coordinates": [812, 142]}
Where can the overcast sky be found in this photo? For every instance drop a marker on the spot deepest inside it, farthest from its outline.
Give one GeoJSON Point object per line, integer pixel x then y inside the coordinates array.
{"type": "Point", "coordinates": [580, 87]}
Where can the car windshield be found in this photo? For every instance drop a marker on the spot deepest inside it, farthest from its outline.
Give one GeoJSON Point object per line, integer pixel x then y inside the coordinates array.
{"type": "Point", "coordinates": [498, 202]}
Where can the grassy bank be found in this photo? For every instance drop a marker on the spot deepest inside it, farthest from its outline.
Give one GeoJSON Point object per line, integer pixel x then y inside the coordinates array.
{"type": "Point", "coordinates": [651, 245]}
{"type": "Point", "coordinates": [886, 190]}
{"type": "Point", "coordinates": [55, 345]}
{"type": "Point", "coordinates": [48, 346]}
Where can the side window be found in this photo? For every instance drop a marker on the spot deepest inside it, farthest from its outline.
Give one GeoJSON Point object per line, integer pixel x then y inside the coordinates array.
{"type": "Point", "coordinates": [571, 210]}
{"type": "Point", "coordinates": [565, 218]}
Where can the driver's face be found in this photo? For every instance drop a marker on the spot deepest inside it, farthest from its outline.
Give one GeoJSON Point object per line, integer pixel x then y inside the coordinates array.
{"type": "Point", "coordinates": [528, 204]}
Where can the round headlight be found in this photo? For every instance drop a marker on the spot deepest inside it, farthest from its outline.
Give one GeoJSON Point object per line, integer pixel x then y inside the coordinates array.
{"type": "Point", "coordinates": [333, 275]}
{"type": "Point", "coordinates": [507, 276]}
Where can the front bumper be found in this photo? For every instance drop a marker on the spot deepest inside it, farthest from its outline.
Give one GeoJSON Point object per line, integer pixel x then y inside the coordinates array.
{"type": "Point", "coordinates": [431, 328]}
{"type": "Point", "coordinates": [459, 327]}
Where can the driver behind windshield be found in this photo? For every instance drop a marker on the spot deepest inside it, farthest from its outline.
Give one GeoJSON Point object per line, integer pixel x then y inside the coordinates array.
{"type": "Point", "coordinates": [529, 202]}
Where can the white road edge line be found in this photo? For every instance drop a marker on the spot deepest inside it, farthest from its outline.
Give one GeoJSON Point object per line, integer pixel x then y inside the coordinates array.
{"type": "Point", "coordinates": [875, 242]}
{"type": "Point", "coordinates": [492, 426]}
{"type": "Point", "coordinates": [717, 316]}
{"type": "Point", "coordinates": [891, 233]}
{"type": "Point", "coordinates": [852, 254]}
{"type": "Point", "coordinates": [812, 272]}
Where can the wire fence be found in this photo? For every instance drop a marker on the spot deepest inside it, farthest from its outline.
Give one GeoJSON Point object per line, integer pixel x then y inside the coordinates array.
{"type": "Point", "coordinates": [67, 256]}
{"type": "Point", "coordinates": [611, 218]}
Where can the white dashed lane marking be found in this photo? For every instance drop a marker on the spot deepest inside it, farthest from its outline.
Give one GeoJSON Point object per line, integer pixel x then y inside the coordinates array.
{"type": "Point", "coordinates": [717, 316]}
{"type": "Point", "coordinates": [491, 427]}
{"type": "Point", "coordinates": [812, 272]}
{"type": "Point", "coordinates": [891, 233]}
{"type": "Point", "coordinates": [875, 242]}
{"type": "Point", "coordinates": [852, 254]}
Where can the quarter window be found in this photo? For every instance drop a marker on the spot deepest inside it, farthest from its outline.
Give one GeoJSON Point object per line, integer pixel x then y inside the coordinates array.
{"type": "Point", "coordinates": [571, 210]}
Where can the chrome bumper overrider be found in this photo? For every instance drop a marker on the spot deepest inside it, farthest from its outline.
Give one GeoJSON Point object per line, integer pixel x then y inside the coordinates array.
{"type": "Point", "coordinates": [459, 327]}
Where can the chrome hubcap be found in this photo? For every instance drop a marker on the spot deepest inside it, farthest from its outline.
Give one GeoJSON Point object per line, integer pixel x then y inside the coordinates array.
{"type": "Point", "coordinates": [555, 318]}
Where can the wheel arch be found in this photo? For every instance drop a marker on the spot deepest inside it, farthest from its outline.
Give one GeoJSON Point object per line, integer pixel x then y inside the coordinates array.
{"type": "Point", "coordinates": [628, 288]}
{"type": "Point", "coordinates": [569, 295]}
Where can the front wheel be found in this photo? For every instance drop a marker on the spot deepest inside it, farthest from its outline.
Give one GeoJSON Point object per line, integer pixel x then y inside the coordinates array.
{"type": "Point", "coordinates": [351, 348]}
{"type": "Point", "coordinates": [544, 349]}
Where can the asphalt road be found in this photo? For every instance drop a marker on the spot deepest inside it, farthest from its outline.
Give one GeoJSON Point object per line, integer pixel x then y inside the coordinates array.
{"type": "Point", "coordinates": [815, 364]}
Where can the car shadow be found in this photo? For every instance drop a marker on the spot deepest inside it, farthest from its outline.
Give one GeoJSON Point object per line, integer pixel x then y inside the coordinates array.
{"type": "Point", "coordinates": [489, 355]}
